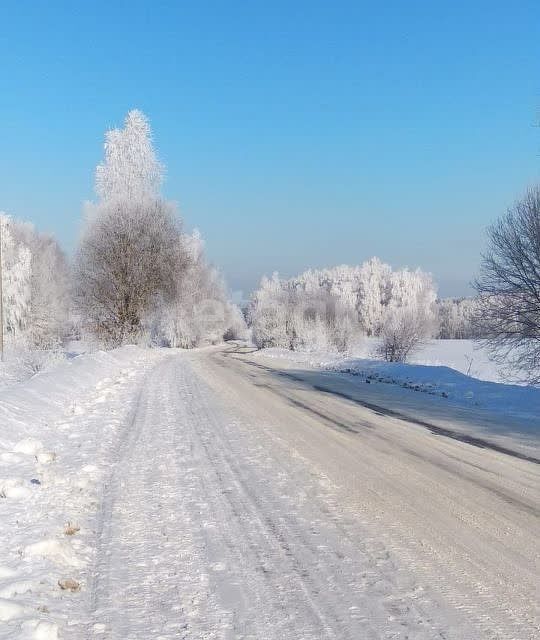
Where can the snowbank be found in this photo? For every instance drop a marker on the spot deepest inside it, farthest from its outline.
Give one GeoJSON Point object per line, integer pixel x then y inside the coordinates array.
{"type": "Point", "coordinates": [30, 406]}
{"type": "Point", "coordinates": [444, 381]}
{"type": "Point", "coordinates": [465, 356]}
{"type": "Point", "coordinates": [51, 427]}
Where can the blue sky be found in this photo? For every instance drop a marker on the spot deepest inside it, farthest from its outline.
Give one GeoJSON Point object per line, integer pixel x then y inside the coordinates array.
{"type": "Point", "coordinates": [295, 134]}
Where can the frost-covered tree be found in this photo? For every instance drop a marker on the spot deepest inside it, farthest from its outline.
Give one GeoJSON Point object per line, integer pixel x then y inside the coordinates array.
{"type": "Point", "coordinates": [200, 312]}
{"type": "Point", "coordinates": [414, 290]}
{"type": "Point", "coordinates": [49, 286]}
{"type": "Point", "coordinates": [237, 328]}
{"type": "Point", "coordinates": [138, 276]}
{"type": "Point", "coordinates": [131, 169]}
{"type": "Point", "coordinates": [329, 308]}
{"type": "Point", "coordinates": [35, 285]}
{"type": "Point", "coordinates": [455, 318]}
{"type": "Point", "coordinates": [301, 314]}
{"type": "Point", "coordinates": [16, 275]}
{"type": "Point", "coordinates": [126, 266]}
{"type": "Point", "coordinates": [402, 331]}
{"type": "Point", "coordinates": [409, 316]}
{"type": "Point", "coordinates": [271, 316]}
{"type": "Point", "coordinates": [374, 293]}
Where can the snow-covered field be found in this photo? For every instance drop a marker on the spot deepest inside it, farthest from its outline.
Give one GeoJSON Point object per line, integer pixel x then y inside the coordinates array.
{"type": "Point", "coordinates": [466, 356]}
{"type": "Point", "coordinates": [57, 435]}
{"type": "Point", "coordinates": [458, 371]}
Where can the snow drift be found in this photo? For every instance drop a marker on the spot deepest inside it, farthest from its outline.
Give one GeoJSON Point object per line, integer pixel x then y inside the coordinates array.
{"type": "Point", "coordinates": [57, 442]}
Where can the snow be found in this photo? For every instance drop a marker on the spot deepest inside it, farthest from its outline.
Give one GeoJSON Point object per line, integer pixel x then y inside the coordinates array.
{"type": "Point", "coordinates": [10, 610]}
{"type": "Point", "coordinates": [29, 446]}
{"type": "Point", "coordinates": [57, 432]}
{"type": "Point", "coordinates": [465, 356]}
{"type": "Point", "coordinates": [59, 552]}
{"type": "Point", "coordinates": [168, 494]}
{"type": "Point", "coordinates": [223, 533]}
{"type": "Point", "coordinates": [439, 368]}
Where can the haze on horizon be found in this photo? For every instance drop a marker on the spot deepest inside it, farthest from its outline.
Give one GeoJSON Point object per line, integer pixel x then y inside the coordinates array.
{"type": "Point", "coordinates": [294, 137]}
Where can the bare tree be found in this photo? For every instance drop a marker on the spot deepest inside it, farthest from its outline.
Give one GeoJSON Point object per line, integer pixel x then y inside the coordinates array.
{"type": "Point", "coordinates": [128, 263]}
{"type": "Point", "coordinates": [509, 289]}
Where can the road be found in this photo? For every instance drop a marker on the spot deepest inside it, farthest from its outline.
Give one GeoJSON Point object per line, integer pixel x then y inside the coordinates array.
{"type": "Point", "coordinates": [250, 503]}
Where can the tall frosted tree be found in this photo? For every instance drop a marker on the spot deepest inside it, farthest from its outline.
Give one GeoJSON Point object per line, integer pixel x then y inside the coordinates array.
{"type": "Point", "coordinates": [129, 252]}
{"type": "Point", "coordinates": [35, 283]}
{"type": "Point", "coordinates": [131, 169]}
{"type": "Point", "coordinates": [409, 316]}
{"type": "Point", "coordinates": [138, 276]}
{"type": "Point", "coordinates": [16, 279]}
{"type": "Point", "coordinates": [374, 292]}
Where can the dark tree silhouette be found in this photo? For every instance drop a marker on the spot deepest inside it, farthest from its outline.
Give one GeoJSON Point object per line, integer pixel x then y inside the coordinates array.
{"type": "Point", "coordinates": [508, 317]}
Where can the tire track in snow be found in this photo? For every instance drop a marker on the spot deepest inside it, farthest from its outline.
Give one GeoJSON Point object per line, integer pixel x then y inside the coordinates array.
{"type": "Point", "coordinates": [207, 534]}
{"type": "Point", "coordinates": [476, 550]}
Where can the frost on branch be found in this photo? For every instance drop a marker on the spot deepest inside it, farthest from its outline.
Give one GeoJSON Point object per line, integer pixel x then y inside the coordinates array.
{"type": "Point", "coordinates": [16, 274]}
{"type": "Point", "coordinates": [131, 169]}
{"type": "Point", "coordinates": [35, 285]}
{"type": "Point", "coordinates": [35, 297]}
{"type": "Point", "coordinates": [456, 318]}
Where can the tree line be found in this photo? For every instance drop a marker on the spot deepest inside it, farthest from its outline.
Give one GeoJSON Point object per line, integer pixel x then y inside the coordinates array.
{"type": "Point", "coordinates": [331, 309]}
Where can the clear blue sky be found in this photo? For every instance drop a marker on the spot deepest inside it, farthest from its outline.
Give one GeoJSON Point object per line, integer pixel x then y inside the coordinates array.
{"type": "Point", "coordinates": [296, 134]}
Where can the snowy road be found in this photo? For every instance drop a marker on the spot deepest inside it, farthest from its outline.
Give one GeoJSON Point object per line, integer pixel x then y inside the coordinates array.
{"type": "Point", "coordinates": [246, 504]}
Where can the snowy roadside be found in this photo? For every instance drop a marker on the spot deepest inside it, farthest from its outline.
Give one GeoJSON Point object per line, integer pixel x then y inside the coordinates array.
{"type": "Point", "coordinates": [466, 356]}
{"type": "Point", "coordinates": [58, 435]}
{"type": "Point", "coordinates": [444, 382]}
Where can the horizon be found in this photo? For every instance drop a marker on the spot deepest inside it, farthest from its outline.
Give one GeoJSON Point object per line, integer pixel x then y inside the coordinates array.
{"type": "Point", "coordinates": [293, 138]}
